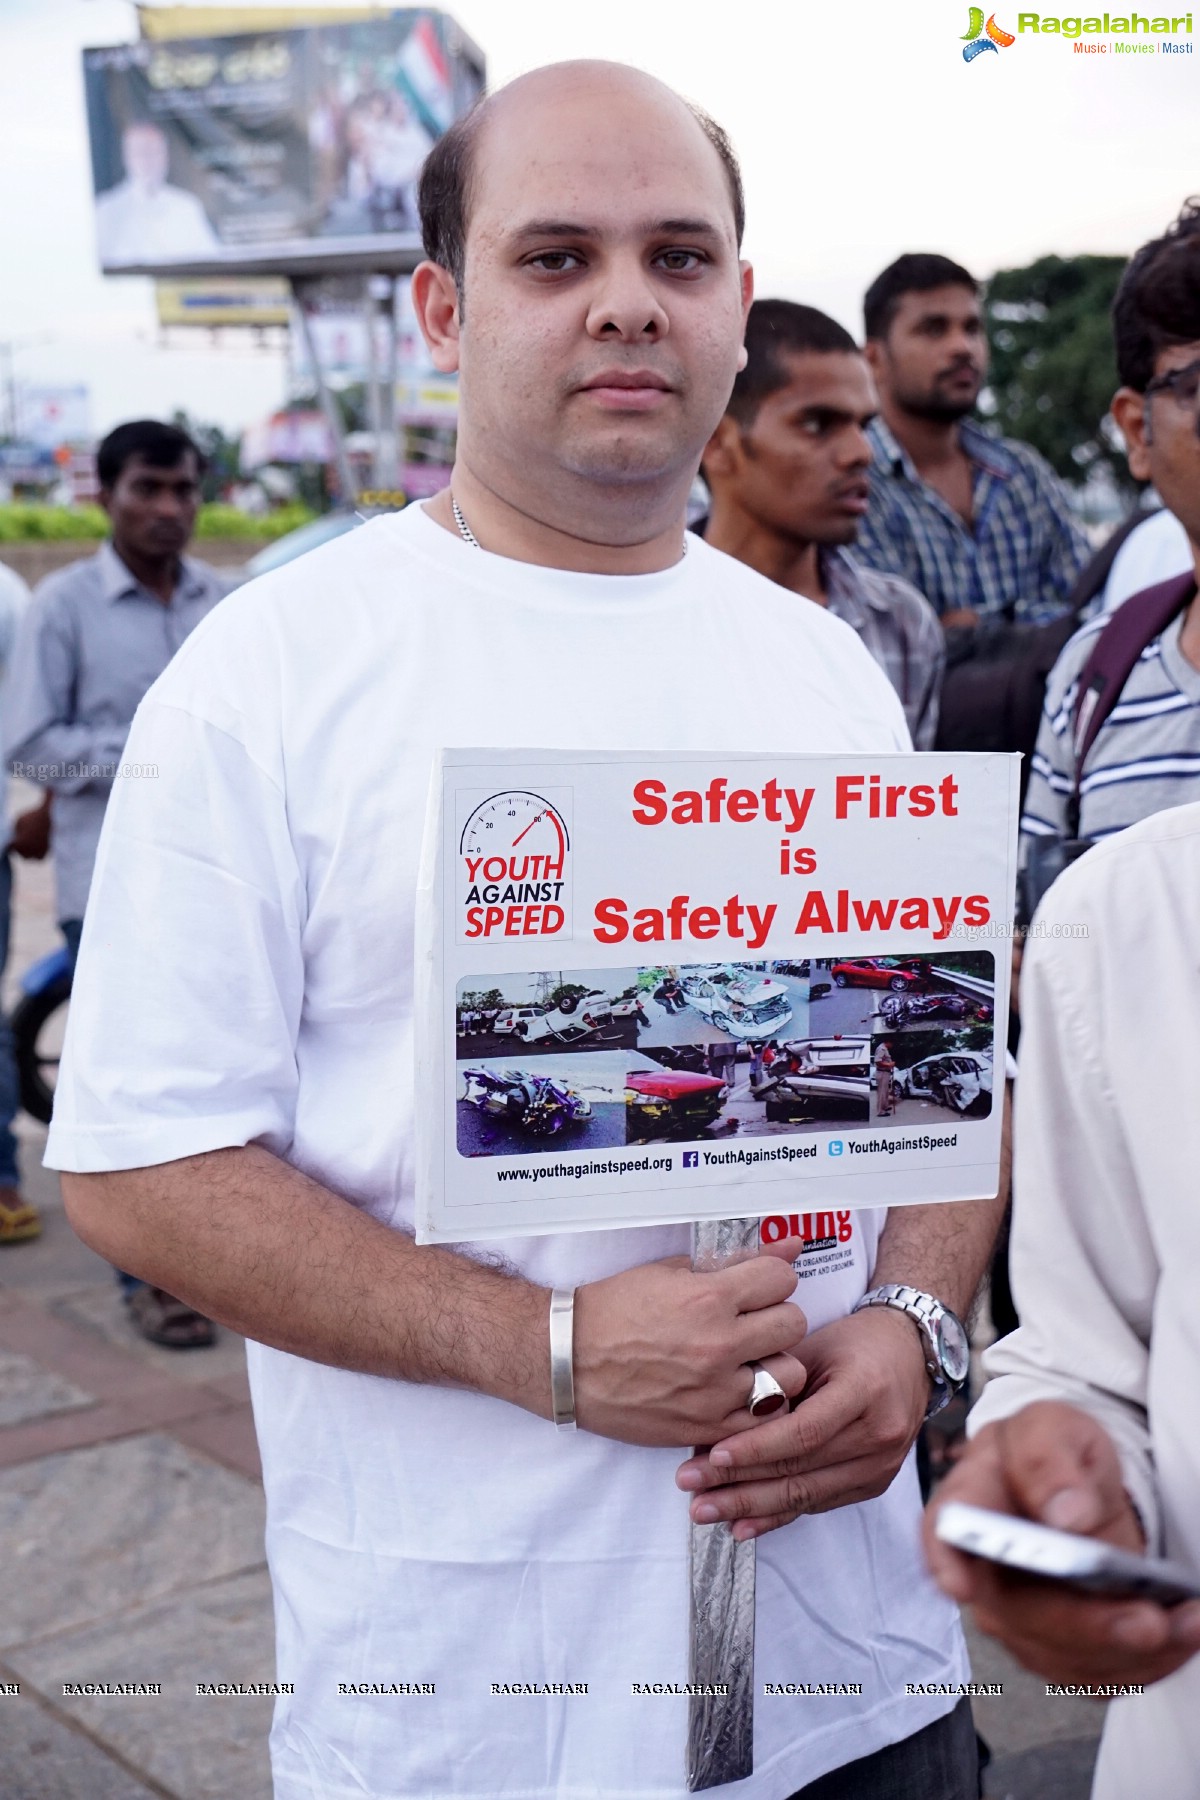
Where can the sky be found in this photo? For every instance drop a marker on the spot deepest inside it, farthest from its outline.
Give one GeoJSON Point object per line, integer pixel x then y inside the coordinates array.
{"type": "Point", "coordinates": [861, 132]}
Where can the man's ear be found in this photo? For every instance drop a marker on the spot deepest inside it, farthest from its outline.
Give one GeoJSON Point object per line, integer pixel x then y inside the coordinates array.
{"type": "Point", "coordinates": [1129, 415]}
{"type": "Point", "coordinates": [435, 303]}
{"type": "Point", "coordinates": [874, 353]}
{"type": "Point", "coordinates": [723, 454]}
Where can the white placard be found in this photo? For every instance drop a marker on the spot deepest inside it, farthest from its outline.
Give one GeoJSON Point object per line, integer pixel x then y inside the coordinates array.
{"type": "Point", "coordinates": [663, 987]}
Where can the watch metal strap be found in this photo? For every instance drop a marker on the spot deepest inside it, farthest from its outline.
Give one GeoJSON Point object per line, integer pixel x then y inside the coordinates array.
{"type": "Point", "coordinates": [921, 1308]}
{"type": "Point", "coordinates": [562, 1362]}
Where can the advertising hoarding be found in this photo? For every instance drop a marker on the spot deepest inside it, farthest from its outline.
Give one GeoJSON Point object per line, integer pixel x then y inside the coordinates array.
{"type": "Point", "coordinates": [277, 152]}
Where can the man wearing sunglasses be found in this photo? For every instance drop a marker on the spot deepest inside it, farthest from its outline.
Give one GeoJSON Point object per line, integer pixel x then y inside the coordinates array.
{"type": "Point", "coordinates": [1146, 755]}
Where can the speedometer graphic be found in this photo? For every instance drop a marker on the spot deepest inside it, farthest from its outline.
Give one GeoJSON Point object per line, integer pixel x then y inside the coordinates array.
{"type": "Point", "coordinates": [515, 826]}
{"type": "Point", "coordinates": [514, 855]}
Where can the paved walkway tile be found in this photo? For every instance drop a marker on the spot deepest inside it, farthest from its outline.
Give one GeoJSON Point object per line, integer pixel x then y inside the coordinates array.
{"type": "Point", "coordinates": [27, 1392]}
{"type": "Point", "coordinates": [43, 1759]}
{"type": "Point", "coordinates": [1025, 1716]}
{"type": "Point", "coordinates": [199, 1747]}
{"type": "Point", "coordinates": [91, 1532]}
{"type": "Point", "coordinates": [99, 1309]}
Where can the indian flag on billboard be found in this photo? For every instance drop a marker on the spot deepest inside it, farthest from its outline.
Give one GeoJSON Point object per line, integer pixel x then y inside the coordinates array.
{"type": "Point", "coordinates": [425, 71]}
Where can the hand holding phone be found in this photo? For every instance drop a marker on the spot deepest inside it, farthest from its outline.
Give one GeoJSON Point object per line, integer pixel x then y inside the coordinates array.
{"type": "Point", "coordinates": [1081, 1562]}
{"type": "Point", "coordinates": [1055, 1465]}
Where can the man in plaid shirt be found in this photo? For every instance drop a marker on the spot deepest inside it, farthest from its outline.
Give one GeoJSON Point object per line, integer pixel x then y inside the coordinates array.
{"type": "Point", "coordinates": [980, 524]}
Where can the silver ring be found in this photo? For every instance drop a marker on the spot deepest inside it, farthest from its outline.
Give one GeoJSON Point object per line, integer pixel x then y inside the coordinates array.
{"type": "Point", "coordinates": [766, 1395]}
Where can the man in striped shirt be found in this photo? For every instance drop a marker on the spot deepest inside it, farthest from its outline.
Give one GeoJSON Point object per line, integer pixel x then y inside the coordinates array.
{"type": "Point", "coordinates": [1146, 755]}
{"type": "Point", "coordinates": [980, 524]}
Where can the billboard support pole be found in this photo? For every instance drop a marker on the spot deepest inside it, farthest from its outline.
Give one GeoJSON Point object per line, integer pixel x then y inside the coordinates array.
{"type": "Point", "coordinates": [390, 460]}
{"type": "Point", "coordinates": [329, 406]}
{"type": "Point", "coordinates": [374, 398]}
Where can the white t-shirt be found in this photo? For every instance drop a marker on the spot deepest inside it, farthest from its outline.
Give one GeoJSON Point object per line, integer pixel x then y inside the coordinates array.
{"type": "Point", "coordinates": [250, 923]}
{"type": "Point", "coordinates": [1157, 551]}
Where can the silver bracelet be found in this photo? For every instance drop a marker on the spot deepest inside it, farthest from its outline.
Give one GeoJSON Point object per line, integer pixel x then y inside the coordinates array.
{"type": "Point", "coordinates": [562, 1367]}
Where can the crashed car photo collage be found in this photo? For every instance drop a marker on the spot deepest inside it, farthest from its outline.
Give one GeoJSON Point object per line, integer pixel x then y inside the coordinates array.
{"type": "Point", "coordinates": [697, 1052]}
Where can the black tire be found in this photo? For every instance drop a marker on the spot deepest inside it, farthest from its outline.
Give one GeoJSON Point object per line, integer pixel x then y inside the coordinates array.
{"type": "Point", "coordinates": [841, 980]}
{"type": "Point", "coordinates": [723, 1022]}
{"type": "Point", "coordinates": [898, 984]}
{"type": "Point", "coordinates": [569, 1004]}
{"type": "Point", "coordinates": [544, 1122]}
{"type": "Point", "coordinates": [30, 1016]}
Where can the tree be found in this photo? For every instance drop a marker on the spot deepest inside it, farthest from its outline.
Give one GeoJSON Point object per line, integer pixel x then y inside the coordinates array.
{"type": "Point", "coordinates": [1053, 369]}
{"type": "Point", "coordinates": [221, 452]}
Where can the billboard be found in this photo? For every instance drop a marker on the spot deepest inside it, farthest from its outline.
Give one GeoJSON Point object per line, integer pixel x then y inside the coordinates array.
{"type": "Point", "coordinates": [228, 300]}
{"type": "Point", "coordinates": [275, 152]}
{"type": "Point", "coordinates": [53, 415]}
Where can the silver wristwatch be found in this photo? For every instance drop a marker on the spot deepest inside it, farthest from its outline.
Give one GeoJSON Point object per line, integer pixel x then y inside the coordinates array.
{"type": "Point", "coordinates": [947, 1347]}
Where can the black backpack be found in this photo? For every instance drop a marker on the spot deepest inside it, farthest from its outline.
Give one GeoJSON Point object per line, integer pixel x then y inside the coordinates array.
{"type": "Point", "coordinates": [996, 671]}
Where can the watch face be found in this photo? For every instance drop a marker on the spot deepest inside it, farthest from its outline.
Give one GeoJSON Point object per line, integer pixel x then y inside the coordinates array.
{"type": "Point", "coordinates": [954, 1348]}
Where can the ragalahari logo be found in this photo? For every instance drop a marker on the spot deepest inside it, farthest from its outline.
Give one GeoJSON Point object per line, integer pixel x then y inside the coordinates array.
{"type": "Point", "coordinates": [975, 42]}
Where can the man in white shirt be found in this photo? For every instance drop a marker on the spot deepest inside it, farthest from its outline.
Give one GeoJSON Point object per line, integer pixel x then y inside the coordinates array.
{"type": "Point", "coordinates": [251, 924]}
{"type": "Point", "coordinates": [1090, 1423]}
{"type": "Point", "coordinates": [144, 218]}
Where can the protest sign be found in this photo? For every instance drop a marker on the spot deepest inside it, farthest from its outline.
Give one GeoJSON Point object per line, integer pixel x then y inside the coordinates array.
{"type": "Point", "coordinates": [658, 987]}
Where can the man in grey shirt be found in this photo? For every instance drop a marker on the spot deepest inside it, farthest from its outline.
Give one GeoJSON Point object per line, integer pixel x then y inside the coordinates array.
{"type": "Point", "coordinates": [787, 471]}
{"type": "Point", "coordinates": [97, 635]}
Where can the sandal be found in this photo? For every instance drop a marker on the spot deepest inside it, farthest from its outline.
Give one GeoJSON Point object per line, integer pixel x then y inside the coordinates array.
{"type": "Point", "coordinates": [19, 1221]}
{"type": "Point", "coordinates": [162, 1319]}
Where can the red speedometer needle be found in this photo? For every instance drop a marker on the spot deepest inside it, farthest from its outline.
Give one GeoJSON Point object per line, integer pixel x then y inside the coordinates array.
{"type": "Point", "coordinates": [528, 828]}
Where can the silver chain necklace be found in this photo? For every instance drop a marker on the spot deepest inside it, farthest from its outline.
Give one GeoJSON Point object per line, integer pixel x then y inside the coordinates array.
{"type": "Point", "coordinates": [468, 536]}
{"type": "Point", "coordinates": [464, 530]}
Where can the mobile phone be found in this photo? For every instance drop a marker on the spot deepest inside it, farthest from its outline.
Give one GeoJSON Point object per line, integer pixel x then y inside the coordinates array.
{"type": "Point", "coordinates": [1080, 1562]}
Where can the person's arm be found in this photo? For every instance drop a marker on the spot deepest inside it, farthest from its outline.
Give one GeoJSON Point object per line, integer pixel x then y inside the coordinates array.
{"type": "Point", "coordinates": [44, 738]}
{"type": "Point", "coordinates": [176, 1108]}
{"type": "Point", "coordinates": [253, 1243]}
{"type": "Point", "coordinates": [930, 652]}
{"type": "Point", "coordinates": [867, 1388]}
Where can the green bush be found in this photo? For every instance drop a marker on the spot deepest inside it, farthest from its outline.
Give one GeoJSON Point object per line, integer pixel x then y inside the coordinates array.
{"type": "Point", "coordinates": [26, 522]}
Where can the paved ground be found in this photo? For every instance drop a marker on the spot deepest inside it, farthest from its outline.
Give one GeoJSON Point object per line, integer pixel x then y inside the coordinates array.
{"type": "Point", "coordinates": [131, 1524]}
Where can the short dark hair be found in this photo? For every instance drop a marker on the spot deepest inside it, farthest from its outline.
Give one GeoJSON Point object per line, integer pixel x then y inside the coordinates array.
{"type": "Point", "coordinates": [916, 273]}
{"type": "Point", "coordinates": [444, 191]}
{"type": "Point", "coordinates": [162, 446]}
{"type": "Point", "coordinates": [1158, 300]}
{"type": "Point", "coordinates": [775, 329]}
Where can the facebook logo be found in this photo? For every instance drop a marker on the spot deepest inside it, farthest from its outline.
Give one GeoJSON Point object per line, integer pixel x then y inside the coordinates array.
{"type": "Point", "coordinates": [836, 1146]}
{"type": "Point", "coordinates": [691, 1159]}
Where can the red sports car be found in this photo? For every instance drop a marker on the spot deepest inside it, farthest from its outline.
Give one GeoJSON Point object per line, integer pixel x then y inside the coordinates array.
{"type": "Point", "coordinates": [672, 1103]}
{"type": "Point", "coordinates": [878, 972]}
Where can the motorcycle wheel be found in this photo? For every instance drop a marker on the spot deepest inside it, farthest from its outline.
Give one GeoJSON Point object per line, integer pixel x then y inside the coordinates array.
{"type": "Point", "coordinates": [544, 1124]}
{"type": "Point", "coordinates": [36, 1042]}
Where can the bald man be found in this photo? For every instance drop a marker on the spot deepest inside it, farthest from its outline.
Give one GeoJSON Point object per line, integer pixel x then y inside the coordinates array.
{"type": "Point", "coordinates": [469, 1603]}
